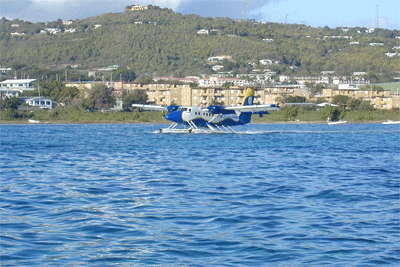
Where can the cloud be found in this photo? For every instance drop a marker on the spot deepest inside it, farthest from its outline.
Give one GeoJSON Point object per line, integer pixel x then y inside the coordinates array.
{"type": "Point", "coordinates": [13, 6]}
{"type": "Point", "coordinates": [50, 10]}
{"type": "Point", "coordinates": [317, 14]}
{"type": "Point", "coordinates": [236, 9]}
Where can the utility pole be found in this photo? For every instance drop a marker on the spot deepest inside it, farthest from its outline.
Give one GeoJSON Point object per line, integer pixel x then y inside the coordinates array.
{"type": "Point", "coordinates": [377, 17]}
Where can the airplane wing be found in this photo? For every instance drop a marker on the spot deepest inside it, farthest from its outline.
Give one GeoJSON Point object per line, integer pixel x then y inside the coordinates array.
{"type": "Point", "coordinates": [150, 107]}
{"type": "Point", "coordinates": [254, 108]}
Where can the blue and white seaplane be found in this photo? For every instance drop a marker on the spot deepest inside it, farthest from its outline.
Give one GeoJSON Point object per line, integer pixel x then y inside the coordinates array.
{"type": "Point", "coordinates": [213, 119]}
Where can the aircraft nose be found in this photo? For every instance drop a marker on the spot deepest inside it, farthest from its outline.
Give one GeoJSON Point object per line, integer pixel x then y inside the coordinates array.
{"type": "Point", "coordinates": [174, 116]}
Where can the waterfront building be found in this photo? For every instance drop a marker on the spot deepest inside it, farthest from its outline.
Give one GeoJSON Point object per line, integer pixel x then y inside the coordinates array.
{"type": "Point", "coordinates": [38, 102]}
{"type": "Point", "coordinates": [184, 94]}
{"type": "Point", "coordinates": [380, 99]}
{"type": "Point", "coordinates": [14, 87]}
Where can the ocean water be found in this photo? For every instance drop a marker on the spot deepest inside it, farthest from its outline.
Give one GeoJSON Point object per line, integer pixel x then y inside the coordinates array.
{"type": "Point", "coordinates": [271, 195]}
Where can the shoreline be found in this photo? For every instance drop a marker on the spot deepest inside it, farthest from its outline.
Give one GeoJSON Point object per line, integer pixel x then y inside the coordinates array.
{"type": "Point", "coordinates": [166, 123]}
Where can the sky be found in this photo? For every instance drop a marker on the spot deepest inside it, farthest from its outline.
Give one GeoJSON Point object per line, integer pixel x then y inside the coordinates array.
{"type": "Point", "coordinates": [333, 13]}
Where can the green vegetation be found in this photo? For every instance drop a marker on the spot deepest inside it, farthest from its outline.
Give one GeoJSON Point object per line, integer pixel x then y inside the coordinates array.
{"type": "Point", "coordinates": [314, 116]}
{"type": "Point", "coordinates": [158, 42]}
{"type": "Point", "coordinates": [73, 115]}
{"type": "Point", "coordinates": [137, 96]}
{"type": "Point", "coordinates": [100, 96]}
{"type": "Point", "coordinates": [92, 107]}
{"type": "Point", "coordinates": [287, 114]}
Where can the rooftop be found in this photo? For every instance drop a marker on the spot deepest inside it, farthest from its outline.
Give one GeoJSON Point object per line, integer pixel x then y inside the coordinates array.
{"type": "Point", "coordinates": [18, 81]}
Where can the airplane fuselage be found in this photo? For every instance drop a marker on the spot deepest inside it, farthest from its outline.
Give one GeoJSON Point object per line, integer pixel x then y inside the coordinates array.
{"type": "Point", "coordinates": [203, 116]}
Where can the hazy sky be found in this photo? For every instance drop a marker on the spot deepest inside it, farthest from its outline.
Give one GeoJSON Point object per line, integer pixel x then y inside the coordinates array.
{"type": "Point", "coordinates": [333, 13]}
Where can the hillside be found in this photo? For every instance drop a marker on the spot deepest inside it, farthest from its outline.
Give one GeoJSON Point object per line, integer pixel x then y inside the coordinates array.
{"type": "Point", "coordinates": [160, 42]}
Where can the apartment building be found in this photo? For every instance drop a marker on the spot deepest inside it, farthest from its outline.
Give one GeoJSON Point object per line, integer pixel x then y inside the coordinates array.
{"type": "Point", "coordinates": [184, 94]}
{"type": "Point", "coordinates": [379, 99]}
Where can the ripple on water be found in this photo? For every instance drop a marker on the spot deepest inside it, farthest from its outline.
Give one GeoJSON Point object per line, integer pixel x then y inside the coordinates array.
{"type": "Point", "coordinates": [300, 195]}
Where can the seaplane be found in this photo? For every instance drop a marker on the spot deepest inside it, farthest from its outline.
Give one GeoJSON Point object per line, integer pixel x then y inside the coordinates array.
{"type": "Point", "coordinates": [213, 119]}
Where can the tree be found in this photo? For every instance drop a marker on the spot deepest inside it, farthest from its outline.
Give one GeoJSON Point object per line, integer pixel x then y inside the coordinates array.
{"type": "Point", "coordinates": [315, 88]}
{"type": "Point", "coordinates": [365, 105]}
{"type": "Point", "coordinates": [144, 79]}
{"type": "Point", "coordinates": [137, 96]}
{"type": "Point", "coordinates": [330, 113]}
{"type": "Point", "coordinates": [353, 103]}
{"type": "Point", "coordinates": [340, 100]}
{"type": "Point", "coordinates": [100, 96]}
{"type": "Point", "coordinates": [290, 113]}
{"type": "Point", "coordinates": [294, 99]}
{"type": "Point", "coordinates": [55, 90]}
{"type": "Point", "coordinates": [10, 103]}
{"type": "Point", "coordinates": [124, 74]}
{"type": "Point", "coordinates": [68, 94]}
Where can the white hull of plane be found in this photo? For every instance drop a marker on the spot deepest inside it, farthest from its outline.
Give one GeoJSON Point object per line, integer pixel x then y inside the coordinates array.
{"type": "Point", "coordinates": [193, 129]}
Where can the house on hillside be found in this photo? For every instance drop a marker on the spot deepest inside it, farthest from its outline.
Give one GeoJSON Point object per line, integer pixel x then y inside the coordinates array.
{"type": "Point", "coordinates": [17, 33]}
{"type": "Point", "coordinates": [137, 8]}
{"type": "Point", "coordinates": [202, 31]}
{"type": "Point", "coordinates": [218, 58]}
{"type": "Point", "coordinates": [67, 22]}
{"type": "Point", "coordinates": [220, 82]}
{"type": "Point", "coordinates": [70, 30]}
{"type": "Point", "coordinates": [375, 44]}
{"type": "Point", "coordinates": [14, 87]}
{"type": "Point", "coordinates": [4, 70]}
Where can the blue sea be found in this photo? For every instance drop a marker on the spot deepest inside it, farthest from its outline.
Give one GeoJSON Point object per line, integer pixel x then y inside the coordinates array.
{"type": "Point", "coordinates": [270, 195]}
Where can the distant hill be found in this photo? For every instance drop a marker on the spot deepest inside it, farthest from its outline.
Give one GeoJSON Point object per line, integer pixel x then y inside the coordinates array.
{"type": "Point", "coordinates": [160, 42]}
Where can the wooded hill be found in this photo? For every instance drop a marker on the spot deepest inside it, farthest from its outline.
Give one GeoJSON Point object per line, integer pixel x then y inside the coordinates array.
{"type": "Point", "coordinates": [159, 42]}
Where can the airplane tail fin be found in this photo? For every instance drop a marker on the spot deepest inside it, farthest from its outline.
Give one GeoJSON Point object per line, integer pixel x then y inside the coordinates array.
{"type": "Point", "coordinates": [245, 117]}
{"type": "Point", "coordinates": [248, 98]}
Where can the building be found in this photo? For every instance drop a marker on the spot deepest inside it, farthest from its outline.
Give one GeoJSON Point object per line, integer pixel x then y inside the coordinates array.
{"type": "Point", "coordinates": [39, 102]}
{"type": "Point", "coordinates": [218, 58]}
{"type": "Point", "coordinates": [67, 22]}
{"type": "Point", "coordinates": [202, 31]}
{"type": "Point", "coordinates": [87, 85]}
{"type": "Point", "coordinates": [15, 86]}
{"type": "Point", "coordinates": [137, 8]}
{"type": "Point", "coordinates": [4, 70]}
{"type": "Point", "coordinates": [188, 79]}
{"type": "Point", "coordinates": [380, 99]}
{"type": "Point", "coordinates": [184, 94]}
{"type": "Point", "coordinates": [220, 81]}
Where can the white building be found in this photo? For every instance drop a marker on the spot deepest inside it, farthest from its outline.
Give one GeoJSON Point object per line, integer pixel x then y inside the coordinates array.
{"type": "Point", "coordinates": [15, 86]}
{"type": "Point", "coordinates": [67, 22]}
{"type": "Point", "coordinates": [41, 102]}
{"type": "Point", "coordinates": [218, 58]}
{"type": "Point", "coordinates": [202, 31]}
{"type": "Point", "coordinates": [265, 62]}
{"type": "Point", "coordinates": [217, 67]}
{"type": "Point", "coordinates": [4, 70]}
{"type": "Point", "coordinates": [220, 81]}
